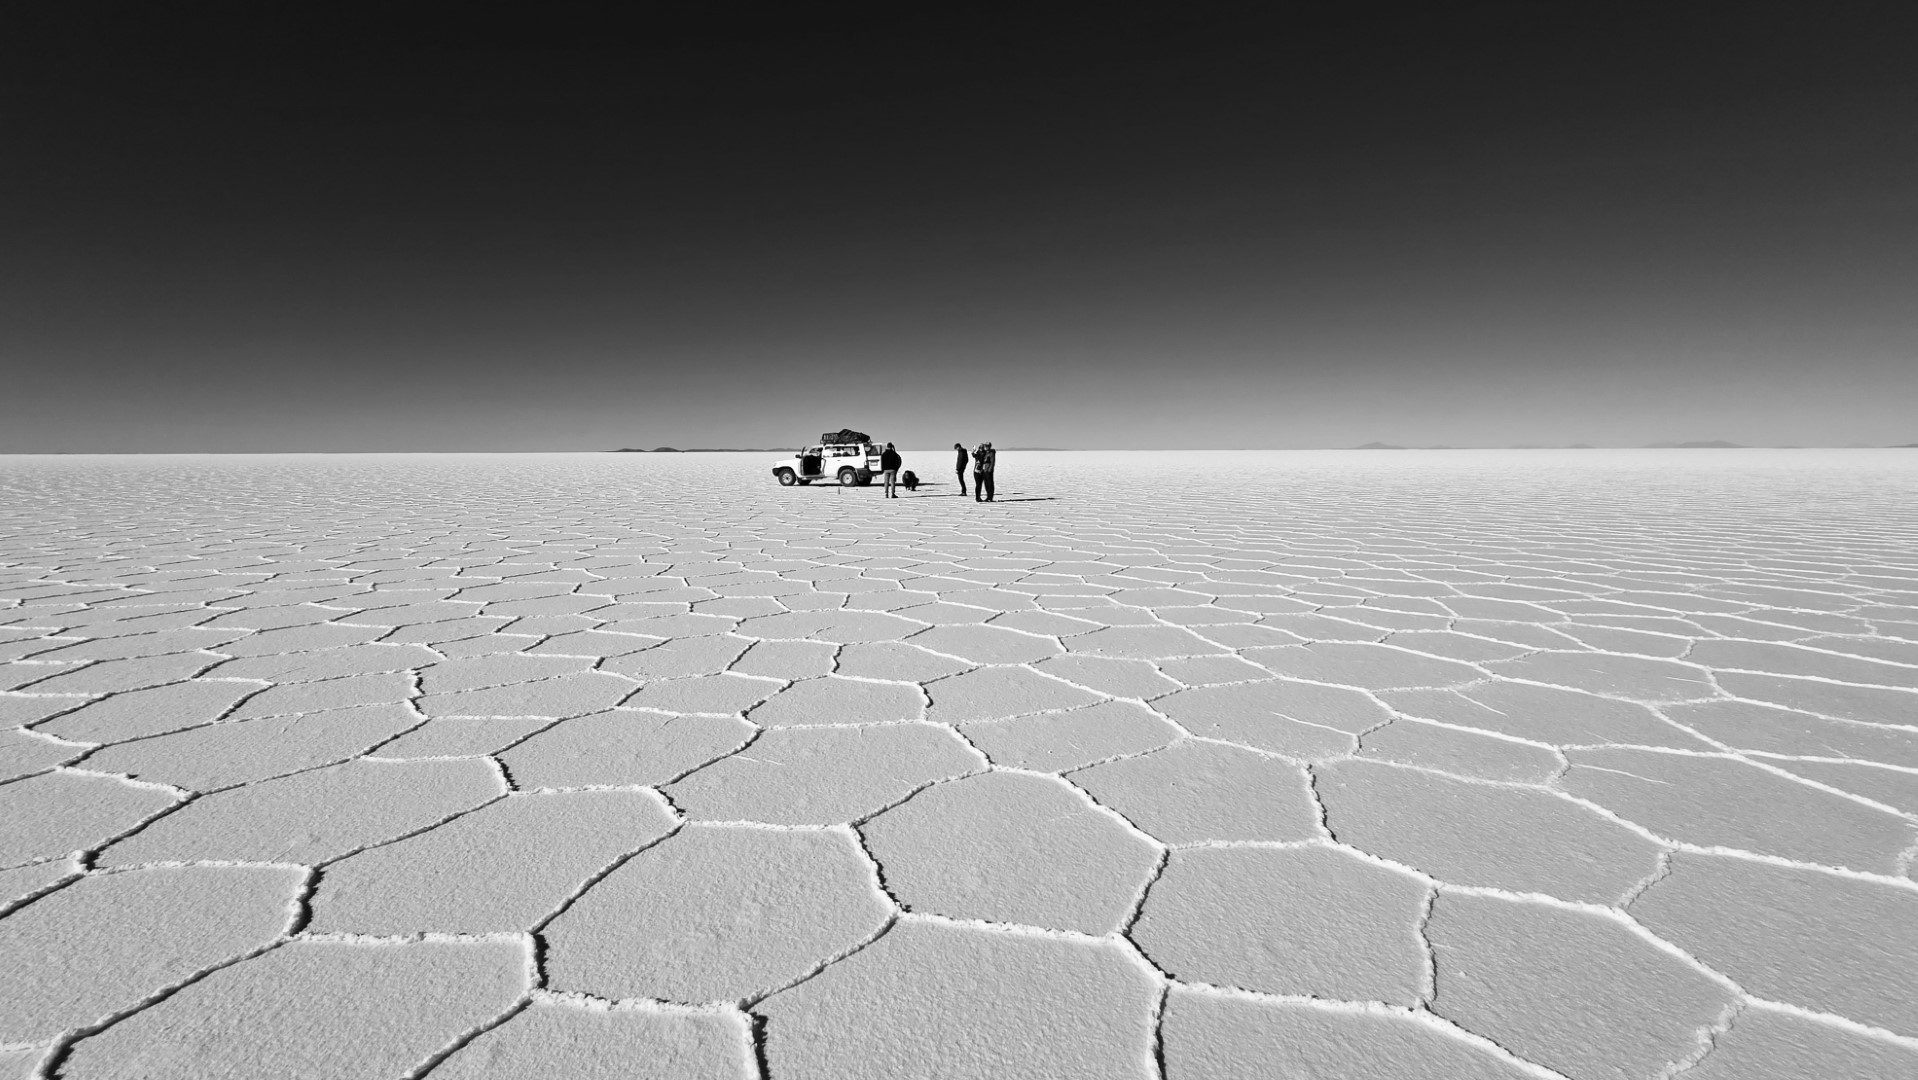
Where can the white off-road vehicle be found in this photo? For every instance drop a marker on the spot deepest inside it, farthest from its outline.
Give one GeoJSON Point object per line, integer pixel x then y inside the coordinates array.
{"type": "Point", "coordinates": [850, 457]}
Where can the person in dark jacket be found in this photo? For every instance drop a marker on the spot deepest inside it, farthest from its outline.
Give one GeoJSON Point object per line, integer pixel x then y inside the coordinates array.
{"type": "Point", "coordinates": [983, 461]}
{"type": "Point", "coordinates": [960, 465]}
{"type": "Point", "coordinates": [889, 464]}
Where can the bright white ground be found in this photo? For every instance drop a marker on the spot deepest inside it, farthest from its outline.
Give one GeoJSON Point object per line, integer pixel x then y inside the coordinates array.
{"type": "Point", "coordinates": [1335, 765]}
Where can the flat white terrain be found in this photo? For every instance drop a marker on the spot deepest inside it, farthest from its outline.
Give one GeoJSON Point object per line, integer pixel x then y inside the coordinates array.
{"type": "Point", "coordinates": [1381, 765]}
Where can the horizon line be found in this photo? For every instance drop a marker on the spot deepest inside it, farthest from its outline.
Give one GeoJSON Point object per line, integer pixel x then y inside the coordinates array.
{"type": "Point", "coordinates": [1016, 449]}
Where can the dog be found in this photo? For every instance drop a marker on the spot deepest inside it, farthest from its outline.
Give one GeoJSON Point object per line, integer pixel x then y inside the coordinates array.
{"type": "Point", "coordinates": [910, 479]}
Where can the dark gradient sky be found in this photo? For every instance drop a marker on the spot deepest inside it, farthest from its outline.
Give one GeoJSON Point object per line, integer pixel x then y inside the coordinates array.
{"type": "Point", "coordinates": [465, 228]}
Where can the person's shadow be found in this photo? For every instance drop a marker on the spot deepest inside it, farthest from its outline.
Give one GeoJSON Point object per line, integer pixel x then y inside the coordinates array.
{"type": "Point", "coordinates": [916, 493]}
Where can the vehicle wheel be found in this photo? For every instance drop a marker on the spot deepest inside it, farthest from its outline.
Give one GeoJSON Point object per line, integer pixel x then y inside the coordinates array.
{"type": "Point", "coordinates": [848, 476]}
{"type": "Point", "coordinates": [787, 477]}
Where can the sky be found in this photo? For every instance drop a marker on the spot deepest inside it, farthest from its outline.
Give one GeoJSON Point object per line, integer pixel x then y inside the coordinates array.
{"type": "Point", "coordinates": [477, 227]}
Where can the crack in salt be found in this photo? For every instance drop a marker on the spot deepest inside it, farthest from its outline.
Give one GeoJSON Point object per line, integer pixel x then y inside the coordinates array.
{"type": "Point", "coordinates": [1708, 1037]}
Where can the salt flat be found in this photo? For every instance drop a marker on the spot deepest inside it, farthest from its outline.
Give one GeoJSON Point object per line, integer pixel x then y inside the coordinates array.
{"type": "Point", "coordinates": [1332, 765]}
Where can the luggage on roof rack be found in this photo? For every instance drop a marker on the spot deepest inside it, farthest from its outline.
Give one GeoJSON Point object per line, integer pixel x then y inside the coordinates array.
{"type": "Point", "coordinates": [845, 435]}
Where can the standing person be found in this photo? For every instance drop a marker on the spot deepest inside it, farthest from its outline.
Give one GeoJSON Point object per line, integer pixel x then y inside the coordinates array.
{"type": "Point", "coordinates": [982, 461]}
{"type": "Point", "coordinates": [960, 466]}
{"type": "Point", "coordinates": [991, 466]}
{"type": "Point", "coordinates": [889, 464]}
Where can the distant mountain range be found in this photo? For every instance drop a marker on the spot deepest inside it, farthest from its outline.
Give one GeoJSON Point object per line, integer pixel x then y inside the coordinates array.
{"type": "Point", "coordinates": [771, 450]}
{"type": "Point", "coordinates": [1520, 446]}
{"type": "Point", "coordinates": [1710, 444]}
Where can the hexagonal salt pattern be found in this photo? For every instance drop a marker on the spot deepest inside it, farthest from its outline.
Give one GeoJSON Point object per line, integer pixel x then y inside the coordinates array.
{"type": "Point", "coordinates": [1358, 765]}
{"type": "Point", "coordinates": [717, 913]}
{"type": "Point", "coordinates": [931, 999]}
{"type": "Point", "coordinates": [586, 1043]}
